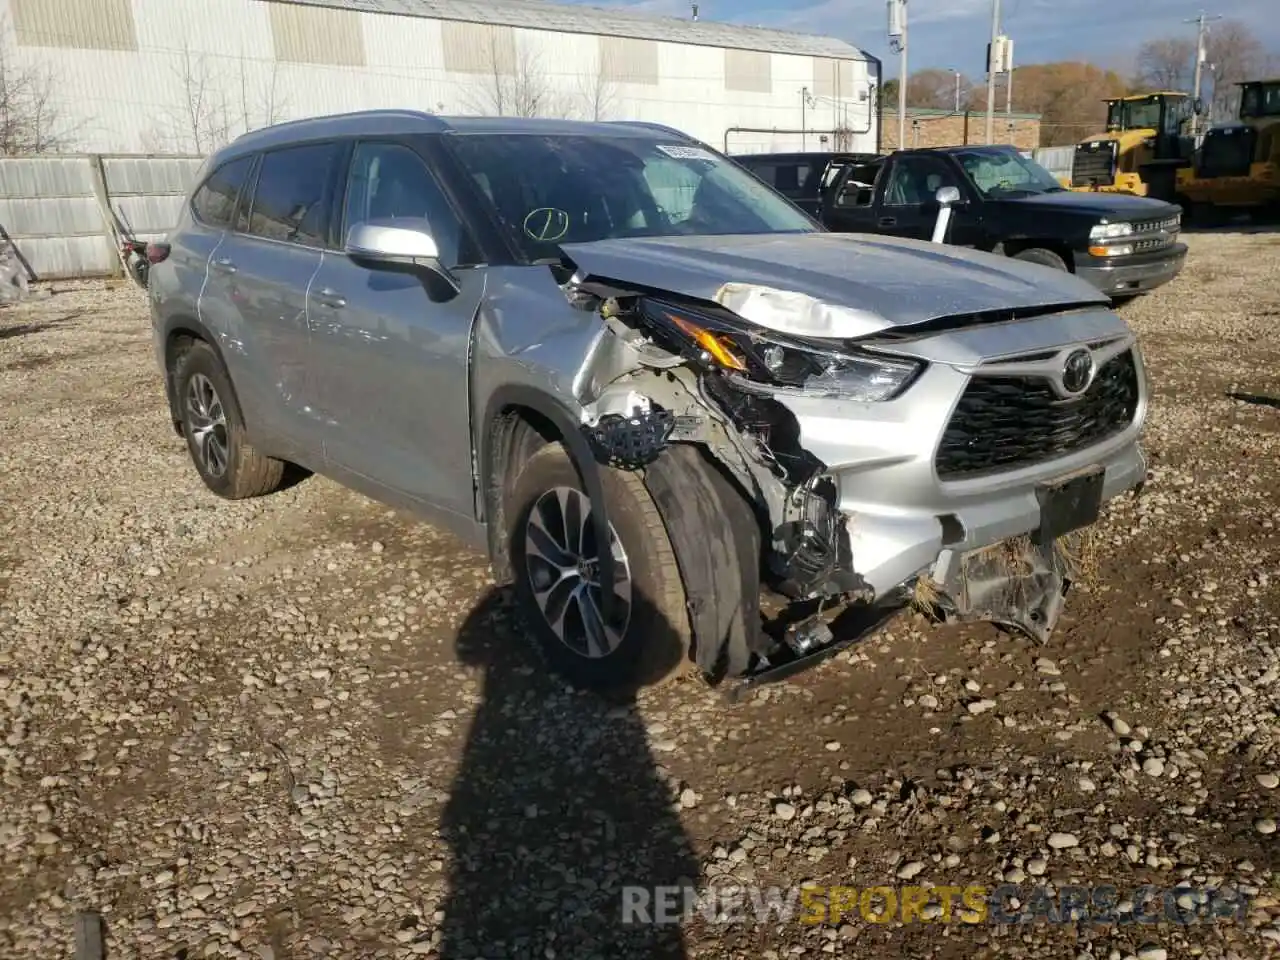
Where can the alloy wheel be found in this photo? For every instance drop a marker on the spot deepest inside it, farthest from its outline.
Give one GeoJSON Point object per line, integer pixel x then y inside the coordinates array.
{"type": "Point", "coordinates": [562, 562]}
{"type": "Point", "coordinates": [207, 421]}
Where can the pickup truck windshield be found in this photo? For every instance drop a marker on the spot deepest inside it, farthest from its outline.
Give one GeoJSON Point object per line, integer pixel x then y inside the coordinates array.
{"type": "Point", "coordinates": [1004, 174]}
{"type": "Point", "coordinates": [545, 190]}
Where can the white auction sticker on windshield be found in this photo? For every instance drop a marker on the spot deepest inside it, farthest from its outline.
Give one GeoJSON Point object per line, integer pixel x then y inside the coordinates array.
{"type": "Point", "coordinates": [682, 152]}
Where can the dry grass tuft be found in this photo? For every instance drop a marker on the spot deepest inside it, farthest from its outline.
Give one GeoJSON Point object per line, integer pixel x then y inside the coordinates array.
{"type": "Point", "coordinates": [1081, 551]}
{"type": "Point", "coordinates": [926, 595]}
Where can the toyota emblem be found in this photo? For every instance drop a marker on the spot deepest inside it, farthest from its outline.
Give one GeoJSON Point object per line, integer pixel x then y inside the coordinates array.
{"type": "Point", "coordinates": [1077, 371]}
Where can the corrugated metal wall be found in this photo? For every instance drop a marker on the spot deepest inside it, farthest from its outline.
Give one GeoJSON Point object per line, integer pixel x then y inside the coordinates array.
{"type": "Point", "coordinates": [184, 76]}
{"type": "Point", "coordinates": [49, 209]}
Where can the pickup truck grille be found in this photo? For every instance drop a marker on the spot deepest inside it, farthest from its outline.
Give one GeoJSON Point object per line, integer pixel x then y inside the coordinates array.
{"type": "Point", "coordinates": [1003, 423]}
{"type": "Point", "coordinates": [1094, 162]}
{"type": "Point", "coordinates": [1152, 235]}
{"type": "Point", "coordinates": [1153, 243]}
{"type": "Point", "coordinates": [1165, 225]}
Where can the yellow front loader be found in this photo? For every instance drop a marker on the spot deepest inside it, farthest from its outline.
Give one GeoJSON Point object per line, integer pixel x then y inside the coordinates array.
{"type": "Point", "coordinates": [1145, 145]}
{"type": "Point", "coordinates": [1237, 168]}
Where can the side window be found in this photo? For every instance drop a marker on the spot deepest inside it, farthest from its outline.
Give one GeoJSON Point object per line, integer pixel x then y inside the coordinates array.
{"type": "Point", "coordinates": [389, 181]}
{"type": "Point", "coordinates": [915, 180]}
{"type": "Point", "coordinates": [788, 178]}
{"type": "Point", "coordinates": [767, 172]}
{"type": "Point", "coordinates": [858, 189]}
{"type": "Point", "coordinates": [246, 202]}
{"type": "Point", "coordinates": [215, 201]}
{"type": "Point", "coordinates": [292, 198]}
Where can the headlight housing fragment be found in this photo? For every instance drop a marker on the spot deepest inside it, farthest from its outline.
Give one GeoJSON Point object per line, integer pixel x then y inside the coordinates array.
{"type": "Point", "coordinates": [757, 360]}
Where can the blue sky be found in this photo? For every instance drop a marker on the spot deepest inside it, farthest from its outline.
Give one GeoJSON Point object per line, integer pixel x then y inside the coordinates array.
{"type": "Point", "coordinates": [954, 33]}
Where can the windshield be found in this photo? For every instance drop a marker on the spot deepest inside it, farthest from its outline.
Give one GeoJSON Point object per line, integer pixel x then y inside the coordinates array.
{"type": "Point", "coordinates": [546, 190]}
{"type": "Point", "coordinates": [1001, 174]}
{"type": "Point", "coordinates": [1142, 115]}
{"type": "Point", "coordinates": [1260, 100]}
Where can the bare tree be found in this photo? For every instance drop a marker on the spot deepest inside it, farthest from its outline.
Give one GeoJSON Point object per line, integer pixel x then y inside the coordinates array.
{"type": "Point", "coordinates": [597, 95]}
{"type": "Point", "coordinates": [936, 89]}
{"type": "Point", "coordinates": [1167, 63]}
{"type": "Point", "coordinates": [516, 85]}
{"type": "Point", "coordinates": [215, 102]}
{"type": "Point", "coordinates": [200, 121]}
{"type": "Point", "coordinates": [264, 106]}
{"type": "Point", "coordinates": [1235, 54]}
{"type": "Point", "coordinates": [30, 118]}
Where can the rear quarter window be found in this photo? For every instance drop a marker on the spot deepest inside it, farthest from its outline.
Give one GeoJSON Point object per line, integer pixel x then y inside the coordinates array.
{"type": "Point", "coordinates": [792, 179]}
{"type": "Point", "coordinates": [215, 201]}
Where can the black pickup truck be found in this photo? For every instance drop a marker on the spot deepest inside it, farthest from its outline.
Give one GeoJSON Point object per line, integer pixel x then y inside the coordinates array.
{"type": "Point", "coordinates": [1009, 204]}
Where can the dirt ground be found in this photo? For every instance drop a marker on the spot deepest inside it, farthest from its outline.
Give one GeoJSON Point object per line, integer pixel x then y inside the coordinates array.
{"type": "Point", "coordinates": [304, 726]}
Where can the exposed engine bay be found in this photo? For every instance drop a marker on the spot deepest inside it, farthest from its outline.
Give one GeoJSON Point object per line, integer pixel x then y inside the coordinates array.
{"type": "Point", "coordinates": [680, 381]}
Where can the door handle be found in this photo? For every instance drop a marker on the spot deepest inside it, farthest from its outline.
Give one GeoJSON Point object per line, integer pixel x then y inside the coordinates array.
{"type": "Point", "coordinates": [331, 298]}
{"type": "Point", "coordinates": [224, 265]}
{"type": "Point", "coordinates": [887, 221]}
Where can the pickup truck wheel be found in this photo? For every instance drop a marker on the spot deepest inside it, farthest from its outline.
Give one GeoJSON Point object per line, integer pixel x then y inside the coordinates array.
{"type": "Point", "coordinates": [215, 433]}
{"type": "Point", "coordinates": [555, 560]}
{"type": "Point", "coordinates": [1042, 256]}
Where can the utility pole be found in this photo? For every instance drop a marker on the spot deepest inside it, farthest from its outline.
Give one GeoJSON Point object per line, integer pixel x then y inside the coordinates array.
{"type": "Point", "coordinates": [957, 73]}
{"type": "Point", "coordinates": [898, 43]}
{"type": "Point", "coordinates": [1000, 59]}
{"type": "Point", "coordinates": [991, 67]}
{"type": "Point", "coordinates": [1200, 22]}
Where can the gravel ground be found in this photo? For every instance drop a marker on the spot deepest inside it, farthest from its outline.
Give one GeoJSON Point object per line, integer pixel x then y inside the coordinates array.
{"type": "Point", "coordinates": [304, 726]}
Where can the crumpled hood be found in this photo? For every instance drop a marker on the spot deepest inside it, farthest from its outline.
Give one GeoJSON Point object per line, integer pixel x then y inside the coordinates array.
{"type": "Point", "coordinates": [881, 282]}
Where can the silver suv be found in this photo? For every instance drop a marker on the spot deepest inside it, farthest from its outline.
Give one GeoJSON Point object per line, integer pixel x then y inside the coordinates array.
{"type": "Point", "coordinates": [551, 337]}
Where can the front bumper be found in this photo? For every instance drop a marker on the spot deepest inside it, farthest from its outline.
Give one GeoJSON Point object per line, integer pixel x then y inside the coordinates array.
{"type": "Point", "coordinates": [891, 546]}
{"type": "Point", "coordinates": [903, 521]}
{"type": "Point", "coordinates": [1123, 276]}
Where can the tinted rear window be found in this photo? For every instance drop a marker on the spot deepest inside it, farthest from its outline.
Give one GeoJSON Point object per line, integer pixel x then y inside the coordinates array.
{"type": "Point", "coordinates": [294, 193]}
{"type": "Point", "coordinates": [215, 201]}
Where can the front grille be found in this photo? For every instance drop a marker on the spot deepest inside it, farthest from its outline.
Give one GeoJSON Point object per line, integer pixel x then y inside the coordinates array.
{"type": "Point", "coordinates": [1152, 244]}
{"type": "Point", "coordinates": [1003, 423]}
{"type": "Point", "coordinates": [1094, 162]}
{"type": "Point", "coordinates": [1168, 224]}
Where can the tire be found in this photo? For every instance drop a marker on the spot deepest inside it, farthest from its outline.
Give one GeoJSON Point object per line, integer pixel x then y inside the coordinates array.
{"type": "Point", "coordinates": [653, 643]}
{"type": "Point", "coordinates": [1043, 257]}
{"type": "Point", "coordinates": [214, 429]}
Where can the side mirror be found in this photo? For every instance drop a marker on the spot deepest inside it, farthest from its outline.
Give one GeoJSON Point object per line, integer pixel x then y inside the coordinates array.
{"type": "Point", "coordinates": [405, 241]}
{"type": "Point", "coordinates": [947, 197]}
{"type": "Point", "coordinates": [1198, 106]}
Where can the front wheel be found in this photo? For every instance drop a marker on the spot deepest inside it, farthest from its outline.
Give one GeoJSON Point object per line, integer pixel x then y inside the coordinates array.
{"type": "Point", "coordinates": [1043, 257]}
{"type": "Point", "coordinates": [556, 562]}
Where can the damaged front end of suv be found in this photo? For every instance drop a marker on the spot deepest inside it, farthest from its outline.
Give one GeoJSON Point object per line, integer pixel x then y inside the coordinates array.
{"type": "Point", "coordinates": [809, 457]}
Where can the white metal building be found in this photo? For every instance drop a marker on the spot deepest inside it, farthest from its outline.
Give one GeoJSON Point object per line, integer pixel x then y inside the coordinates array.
{"type": "Point", "coordinates": [182, 76]}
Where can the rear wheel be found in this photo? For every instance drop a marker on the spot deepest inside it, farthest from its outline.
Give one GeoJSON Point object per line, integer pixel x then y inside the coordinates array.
{"type": "Point", "coordinates": [211, 423]}
{"type": "Point", "coordinates": [1041, 256]}
{"type": "Point", "coordinates": [556, 563]}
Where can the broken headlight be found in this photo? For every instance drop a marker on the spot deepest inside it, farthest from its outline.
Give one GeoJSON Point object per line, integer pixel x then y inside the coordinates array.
{"type": "Point", "coordinates": [754, 358]}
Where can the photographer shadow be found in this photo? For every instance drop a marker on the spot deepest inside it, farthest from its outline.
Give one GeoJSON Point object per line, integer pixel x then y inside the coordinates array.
{"type": "Point", "coordinates": [558, 807]}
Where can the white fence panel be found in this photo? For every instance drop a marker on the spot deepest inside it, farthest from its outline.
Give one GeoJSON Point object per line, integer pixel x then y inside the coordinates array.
{"type": "Point", "coordinates": [50, 212]}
